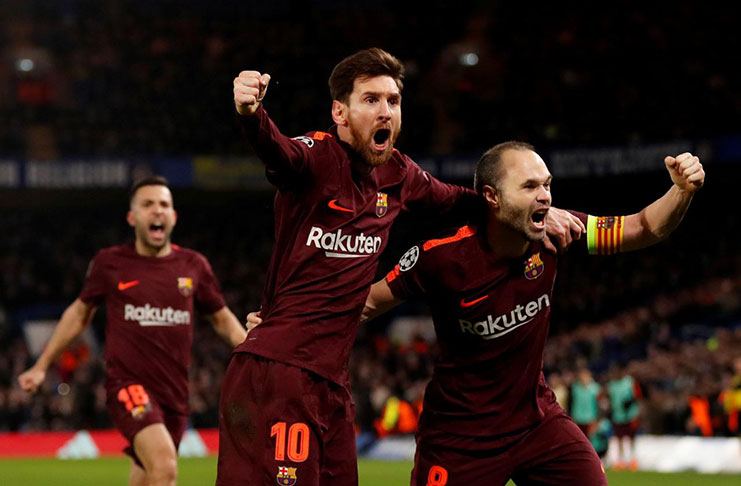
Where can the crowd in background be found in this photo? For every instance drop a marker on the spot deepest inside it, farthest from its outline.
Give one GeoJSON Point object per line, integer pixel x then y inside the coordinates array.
{"type": "Point", "coordinates": [135, 78]}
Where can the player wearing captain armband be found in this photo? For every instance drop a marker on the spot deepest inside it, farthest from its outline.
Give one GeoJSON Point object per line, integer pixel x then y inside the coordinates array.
{"type": "Point", "coordinates": [488, 415]}
{"type": "Point", "coordinates": [286, 412]}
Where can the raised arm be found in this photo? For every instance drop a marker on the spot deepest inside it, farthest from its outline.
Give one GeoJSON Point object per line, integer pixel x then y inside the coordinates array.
{"type": "Point", "coordinates": [380, 300]}
{"type": "Point", "coordinates": [227, 326]}
{"type": "Point", "coordinates": [281, 155]}
{"type": "Point", "coordinates": [657, 220]}
{"type": "Point", "coordinates": [72, 323]}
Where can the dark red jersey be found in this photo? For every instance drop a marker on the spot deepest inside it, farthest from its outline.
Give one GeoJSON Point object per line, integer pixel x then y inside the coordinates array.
{"type": "Point", "coordinates": [491, 316]}
{"type": "Point", "coordinates": [331, 225]}
{"type": "Point", "coordinates": [149, 308]}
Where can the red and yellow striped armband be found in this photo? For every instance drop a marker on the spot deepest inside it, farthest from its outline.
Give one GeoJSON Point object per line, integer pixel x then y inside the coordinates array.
{"type": "Point", "coordinates": [605, 234]}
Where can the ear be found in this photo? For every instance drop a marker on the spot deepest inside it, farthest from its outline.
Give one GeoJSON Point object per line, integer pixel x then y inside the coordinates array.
{"type": "Point", "coordinates": [339, 113]}
{"type": "Point", "coordinates": [130, 218]}
{"type": "Point", "coordinates": [491, 195]}
{"type": "Point", "coordinates": [175, 217]}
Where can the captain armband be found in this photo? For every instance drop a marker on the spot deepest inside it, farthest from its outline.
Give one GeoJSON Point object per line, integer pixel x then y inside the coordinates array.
{"type": "Point", "coordinates": [605, 234]}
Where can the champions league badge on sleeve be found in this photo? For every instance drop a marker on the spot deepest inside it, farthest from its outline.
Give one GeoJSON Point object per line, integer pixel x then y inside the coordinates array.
{"type": "Point", "coordinates": [286, 476]}
{"type": "Point", "coordinates": [382, 204]}
{"type": "Point", "coordinates": [534, 267]}
{"type": "Point", "coordinates": [185, 286]}
{"type": "Point", "coordinates": [409, 258]}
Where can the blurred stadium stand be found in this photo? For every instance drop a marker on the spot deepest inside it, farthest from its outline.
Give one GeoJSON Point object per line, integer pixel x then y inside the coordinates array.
{"type": "Point", "coordinates": [94, 94]}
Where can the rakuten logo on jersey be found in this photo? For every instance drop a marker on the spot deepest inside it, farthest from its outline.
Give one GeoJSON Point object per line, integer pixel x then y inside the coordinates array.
{"type": "Point", "coordinates": [154, 316]}
{"type": "Point", "coordinates": [337, 245]}
{"type": "Point", "coordinates": [494, 327]}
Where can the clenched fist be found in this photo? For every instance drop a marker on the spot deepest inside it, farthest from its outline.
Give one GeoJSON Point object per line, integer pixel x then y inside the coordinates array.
{"type": "Point", "coordinates": [686, 171]}
{"type": "Point", "coordinates": [249, 90]}
{"type": "Point", "coordinates": [31, 379]}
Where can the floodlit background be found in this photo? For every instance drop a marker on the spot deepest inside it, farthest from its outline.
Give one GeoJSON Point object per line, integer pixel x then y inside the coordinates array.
{"type": "Point", "coordinates": [96, 93]}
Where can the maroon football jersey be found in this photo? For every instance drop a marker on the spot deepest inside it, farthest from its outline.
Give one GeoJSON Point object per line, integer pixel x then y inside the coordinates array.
{"type": "Point", "coordinates": [149, 309]}
{"type": "Point", "coordinates": [331, 225]}
{"type": "Point", "coordinates": [491, 316]}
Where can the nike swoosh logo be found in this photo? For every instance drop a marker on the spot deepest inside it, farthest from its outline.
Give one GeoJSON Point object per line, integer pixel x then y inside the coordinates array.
{"type": "Point", "coordinates": [333, 204]}
{"type": "Point", "coordinates": [127, 285]}
{"type": "Point", "coordinates": [473, 302]}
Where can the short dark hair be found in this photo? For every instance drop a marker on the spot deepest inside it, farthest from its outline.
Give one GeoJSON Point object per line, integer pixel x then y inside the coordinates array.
{"type": "Point", "coordinates": [367, 63]}
{"type": "Point", "coordinates": [153, 180]}
{"type": "Point", "coordinates": [488, 169]}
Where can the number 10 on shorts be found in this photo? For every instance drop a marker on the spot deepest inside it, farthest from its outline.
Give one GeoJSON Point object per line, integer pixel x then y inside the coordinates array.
{"type": "Point", "coordinates": [298, 441]}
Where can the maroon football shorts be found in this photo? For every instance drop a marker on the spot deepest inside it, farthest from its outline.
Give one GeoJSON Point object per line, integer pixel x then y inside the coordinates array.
{"type": "Point", "coordinates": [554, 453]}
{"type": "Point", "coordinates": [132, 408]}
{"type": "Point", "coordinates": [627, 429]}
{"type": "Point", "coordinates": [280, 424]}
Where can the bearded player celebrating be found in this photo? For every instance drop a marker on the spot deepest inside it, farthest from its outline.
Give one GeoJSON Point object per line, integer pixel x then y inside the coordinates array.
{"type": "Point", "coordinates": [286, 412]}
{"type": "Point", "coordinates": [488, 414]}
{"type": "Point", "coordinates": [150, 289]}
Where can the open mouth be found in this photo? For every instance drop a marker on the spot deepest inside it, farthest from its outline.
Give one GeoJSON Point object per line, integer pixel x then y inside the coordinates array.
{"type": "Point", "coordinates": [538, 218]}
{"type": "Point", "coordinates": [381, 138]}
{"type": "Point", "coordinates": [157, 230]}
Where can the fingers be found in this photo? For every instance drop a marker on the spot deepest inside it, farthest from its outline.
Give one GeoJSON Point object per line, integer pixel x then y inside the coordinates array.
{"type": "Point", "coordinates": [687, 163]}
{"type": "Point", "coordinates": [28, 384]}
{"type": "Point", "coordinates": [253, 319]}
{"type": "Point", "coordinates": [564, 240]}
{"type": "Point", "coordinates": [695, 175]}
{"type": "Point", "coordinates": [563, 227]}
{"type": "Point", "coordinates": [576, 227]}
{"type": "Point", "coordinates": [686, 171]}
{"type": "Point", "coordinates": [249, 90]}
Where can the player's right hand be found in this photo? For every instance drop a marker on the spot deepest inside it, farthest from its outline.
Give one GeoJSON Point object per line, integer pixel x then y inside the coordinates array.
{"type": "Point", "coordinates": [31, 379]}
{"type": "Point", "coordinates": [253, 320]}
{"type": "Point", "coordinates": [249, 90]}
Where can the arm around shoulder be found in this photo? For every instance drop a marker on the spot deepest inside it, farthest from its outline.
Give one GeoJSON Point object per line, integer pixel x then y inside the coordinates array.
{"type": "Point", "coordinates": [380, 300]}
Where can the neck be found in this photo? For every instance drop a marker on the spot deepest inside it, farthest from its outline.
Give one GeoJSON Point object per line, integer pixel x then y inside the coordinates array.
{"type": "Point", "coordinates": [148, 251]}
{"type": "Point", "coordinates": [504, 240]}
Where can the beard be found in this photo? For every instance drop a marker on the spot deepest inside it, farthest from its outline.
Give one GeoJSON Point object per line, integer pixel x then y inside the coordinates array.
{"type": "Point", "coordinates": [362, 145]}
{"type": "Point", "coordinates": [518, 220]}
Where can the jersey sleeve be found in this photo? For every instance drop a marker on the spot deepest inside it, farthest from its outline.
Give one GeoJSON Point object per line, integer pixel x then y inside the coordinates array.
{"type": "Point", "coordinates": [287, 160]}
{"type": "Point", "coordinates": [421, 190]}
{"type": "Point", "coordinates": [407, 280]}
{"type": "Point", "coordinates": [95, 287]}
{"type": "Point", "coordinates": [207, 297]}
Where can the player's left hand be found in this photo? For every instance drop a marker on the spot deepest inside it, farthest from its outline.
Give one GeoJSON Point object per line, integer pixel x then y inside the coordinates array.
{"type": "Point", "coordinates": [253, 320]}
{"type": "Point", "coordinates": [563, 228]}
{"type": "Point", "coordinates": [686, 172]}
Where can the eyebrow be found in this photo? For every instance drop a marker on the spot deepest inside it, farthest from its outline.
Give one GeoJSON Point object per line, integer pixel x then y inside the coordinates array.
{"type": "Point", "coordinates": [378, 94]}
{"type": "Point", "coordinates": [537, 181]}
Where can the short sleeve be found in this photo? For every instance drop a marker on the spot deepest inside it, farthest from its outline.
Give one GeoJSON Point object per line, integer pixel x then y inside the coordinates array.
{"type": "Point", "coordinates": [407, 279]}
{"type": "Point", "coordinates": [208, 298]}
{"type": "Point", "coordinates": [95, 287]}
